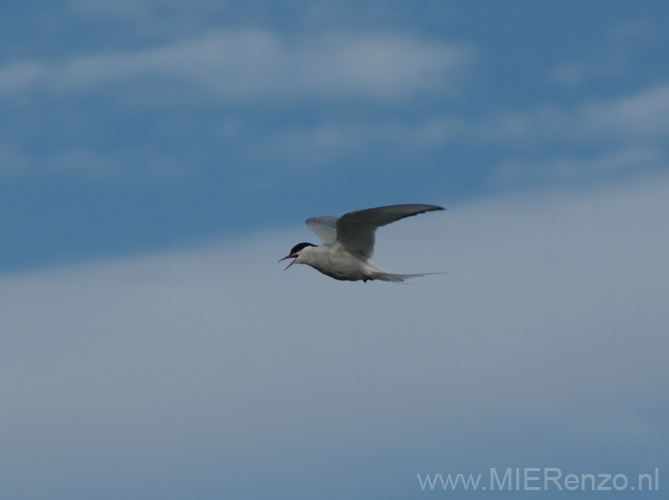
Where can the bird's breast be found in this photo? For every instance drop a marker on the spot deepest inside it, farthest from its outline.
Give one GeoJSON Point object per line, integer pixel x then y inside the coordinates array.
{"type": "Point", "coordinates": [337, 264]}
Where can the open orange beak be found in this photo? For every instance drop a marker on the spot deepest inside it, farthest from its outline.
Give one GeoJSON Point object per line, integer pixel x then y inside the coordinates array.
{"type": "Point", "coordinates": [291, 256]}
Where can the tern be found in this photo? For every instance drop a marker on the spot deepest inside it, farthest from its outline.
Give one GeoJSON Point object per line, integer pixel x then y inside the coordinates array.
{"type": "Point", "coordinates": [348, 243]}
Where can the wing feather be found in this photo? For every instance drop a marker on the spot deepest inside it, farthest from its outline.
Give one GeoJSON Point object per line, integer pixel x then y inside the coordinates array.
{"type": "Point", "coordinates": [355, 231]}
{"type": "Point", "coordinates": [325, 227]}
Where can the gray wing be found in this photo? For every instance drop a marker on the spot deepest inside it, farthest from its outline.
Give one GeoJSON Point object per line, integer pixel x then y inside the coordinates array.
{"type": "Point", "coordinates": [325, 227]}
{"type": "Point", "coordinates": [355, 230]}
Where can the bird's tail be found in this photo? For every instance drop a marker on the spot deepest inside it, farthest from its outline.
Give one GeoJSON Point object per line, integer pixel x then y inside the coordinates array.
{"type": "Point", "coordinates": [397, 278]}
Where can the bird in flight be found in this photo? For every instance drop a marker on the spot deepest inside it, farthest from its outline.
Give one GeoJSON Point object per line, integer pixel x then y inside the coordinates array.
{"type": "Point", "coordinates": [348, 243]}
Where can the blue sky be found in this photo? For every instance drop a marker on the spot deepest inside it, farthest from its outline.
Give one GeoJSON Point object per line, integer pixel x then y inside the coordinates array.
{"type": "Point", "coordinates": [158, 157]}
{"type": "Point", "coordinates": [145, 125]}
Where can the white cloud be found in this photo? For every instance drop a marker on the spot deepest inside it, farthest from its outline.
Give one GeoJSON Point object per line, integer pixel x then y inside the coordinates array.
{"type": "Point", "coordinates": [593, 139]}
{"type": "Point", "coordinates": [641, 29]}
{"type": "Point", "coordinates": [138, 164]}
{"type": "Point", "coordinates": [640, 115]}
{"type": "Point", "coordinates": [320, 145]}
{"type": "Point", "coordinates": [327, 142]}
{"type": "Point", "coordinates": [16, 77]}
{"type": "Point", "coordinates": [256, 63]}
{"type": "Point", "coordinates": [571, 73]}
{"type": "Point", "coordinates": [540, 123]}
{"type": "Point", "coordinates": [626, 160]}
{"type": "Point", "coordinates": [145, 10]}
{"type": "Point", "coordinates": [548, 333]}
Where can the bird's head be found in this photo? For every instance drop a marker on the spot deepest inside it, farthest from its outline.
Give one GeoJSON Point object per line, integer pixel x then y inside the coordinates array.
{"type": "Point", "coordinates": [296, 252]}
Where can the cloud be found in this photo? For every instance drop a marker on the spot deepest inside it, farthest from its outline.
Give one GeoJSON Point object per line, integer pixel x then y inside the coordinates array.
{"type": "Point", "coordinates": [626, 160]}
{"type": "Point", "coordinates": [616, 52]}
{"type": "Point", "coordinates": [145, 10]}
{"type": "Point", "coordinates": [17, 77]}
{"type": "Point", "coordinates": [640, 115]}
{"type": "Point", "coordinates": [571, 73]}
{"type": "Point", "coordinates": [299, 148]}
{"type": "Point", "coordinates": [545, 341]}
{"type": "Point", "coordinates": [246, 64]}
{"type": "Point", "coordinates": [595, 138]}
{"type": "Point", "coordinates": [329, 142]}
{"type": "Point", "coordinates": [142, 164]}
{"type": "Point", "coordinates": [641, 29]}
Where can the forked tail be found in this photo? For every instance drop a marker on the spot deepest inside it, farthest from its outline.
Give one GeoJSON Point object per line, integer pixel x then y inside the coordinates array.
{"type": "Point", "coordinates": [398, 278]}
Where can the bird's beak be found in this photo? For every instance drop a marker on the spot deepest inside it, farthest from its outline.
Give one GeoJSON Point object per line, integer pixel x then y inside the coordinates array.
{"type": "Point", "coordinates": [291, 256]}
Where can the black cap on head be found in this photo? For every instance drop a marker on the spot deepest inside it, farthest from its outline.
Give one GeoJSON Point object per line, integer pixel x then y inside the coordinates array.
{"type": "Point", "coordinates": [299, 247]}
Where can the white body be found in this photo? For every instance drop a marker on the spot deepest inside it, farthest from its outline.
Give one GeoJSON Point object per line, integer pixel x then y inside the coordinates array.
{"type": "Point", "coordinates": [340, 264]}
{"type": "Point", "coordinates": [348, 243]}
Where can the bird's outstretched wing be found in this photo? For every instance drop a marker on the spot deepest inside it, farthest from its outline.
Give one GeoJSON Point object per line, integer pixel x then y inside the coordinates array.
{"type": "Point", "coordinates": [325, 227]}
{"type": "Point", "coordinates": [355, 230]}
